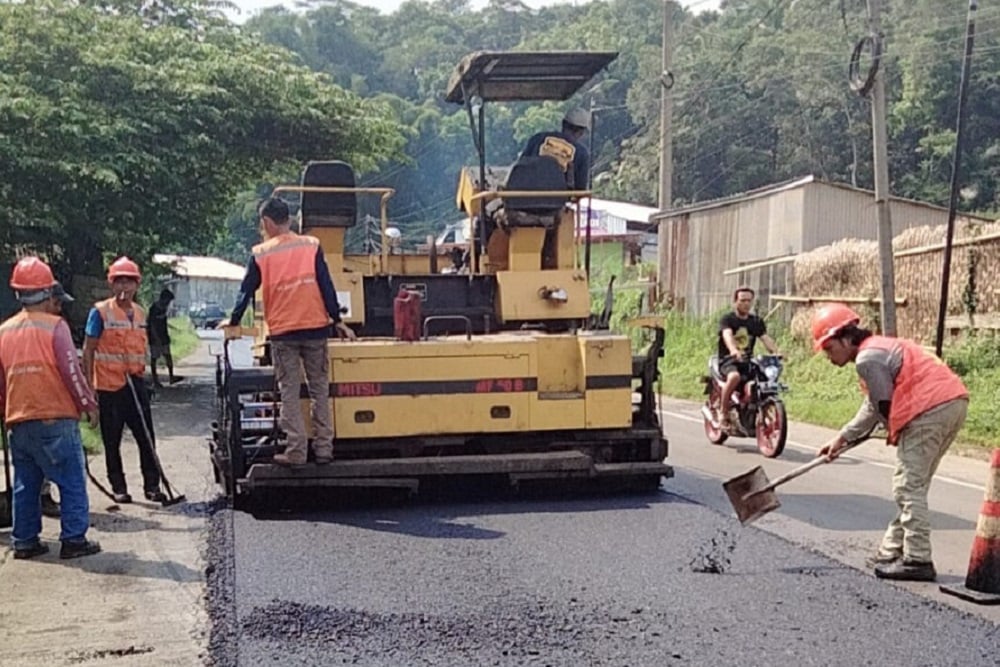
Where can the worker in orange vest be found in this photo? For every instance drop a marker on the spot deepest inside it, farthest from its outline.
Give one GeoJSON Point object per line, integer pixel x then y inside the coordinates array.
{"type": "Point", "coordinates": [922, 402]}
{"type": "Point", "coordinates": [299, 305]}
{"type": "Point", "coordinates": [115, 350]}
{"type": "Point", "coordinates": [43, 393]}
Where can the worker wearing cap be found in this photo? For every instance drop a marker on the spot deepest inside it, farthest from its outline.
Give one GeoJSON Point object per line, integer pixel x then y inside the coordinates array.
{"type": "Point", "coordinates": [50, 507]}
{"type": "Point", "coordinates": [43, 393]}
{"type": "Point", "coordinates": [113, 352]}
{"type": "Point", "coordinates": [922, 402]}
{"type": "Point", "coordinates": [565, 147]}
{"type": "Point", "coordinates": [299, 305]}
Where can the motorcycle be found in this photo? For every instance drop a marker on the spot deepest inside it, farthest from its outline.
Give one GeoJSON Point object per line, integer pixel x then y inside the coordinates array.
{"type": "Point", "coordinates": [756, 410]}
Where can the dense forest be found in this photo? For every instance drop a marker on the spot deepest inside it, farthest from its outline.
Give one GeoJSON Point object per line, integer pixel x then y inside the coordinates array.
{"type": "Point", "coordinates": [161, 131]}
{"type": "Point", "coordinates": [761, 92]}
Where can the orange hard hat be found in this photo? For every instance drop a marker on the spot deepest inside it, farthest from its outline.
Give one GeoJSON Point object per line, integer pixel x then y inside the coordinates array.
{"type": "Point", "coordinates": [829, 320]}
{"type": "Point", "coordinates": [123, 267]}
{"type": "Point", "coordinates": [31, 273]}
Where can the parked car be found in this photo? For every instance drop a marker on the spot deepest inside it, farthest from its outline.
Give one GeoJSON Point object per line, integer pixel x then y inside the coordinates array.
{"type": "Point", "coordinates": [207, 316]}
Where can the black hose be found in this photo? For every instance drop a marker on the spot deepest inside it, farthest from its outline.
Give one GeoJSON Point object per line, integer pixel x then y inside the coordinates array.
{"type": "Point", "coordinates": [862, 85]}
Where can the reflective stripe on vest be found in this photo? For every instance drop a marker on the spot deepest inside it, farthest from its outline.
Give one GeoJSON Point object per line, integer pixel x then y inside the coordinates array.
{"type": "Point", "coordinates": [292, 299]}
{"type": "Point", "coordinates": [35, 388]}
{"type": "Point", "coordinates": [121, 348]}
{"type": "Point", "coordinates": [923, 383]}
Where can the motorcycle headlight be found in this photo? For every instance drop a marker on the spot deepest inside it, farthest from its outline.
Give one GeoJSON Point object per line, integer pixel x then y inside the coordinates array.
{"type": "Point", "coordinates": [772, 373]}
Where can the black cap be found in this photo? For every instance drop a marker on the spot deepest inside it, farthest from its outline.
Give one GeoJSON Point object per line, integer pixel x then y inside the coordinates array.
{"type": "Point", "coordinates": [59, 293]}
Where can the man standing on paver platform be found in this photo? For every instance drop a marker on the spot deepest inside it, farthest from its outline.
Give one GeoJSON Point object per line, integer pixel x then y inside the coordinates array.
{"type": "Point", "coordinates": [924, 405]}
{"type": "Point", "coordinates": [299, 305]}
{"type": "Point", "coordinates": [42, 394]}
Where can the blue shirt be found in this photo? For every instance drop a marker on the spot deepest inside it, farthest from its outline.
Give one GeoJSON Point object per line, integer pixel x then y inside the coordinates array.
{"type": "Point", "coordinates": [95, 323]}
{"type": "Point", "coordinates": [251, 283]}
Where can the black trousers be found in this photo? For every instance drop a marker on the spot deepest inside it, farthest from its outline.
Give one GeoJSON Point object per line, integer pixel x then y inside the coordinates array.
{"type": "Point", "coordinates": [118, 408]}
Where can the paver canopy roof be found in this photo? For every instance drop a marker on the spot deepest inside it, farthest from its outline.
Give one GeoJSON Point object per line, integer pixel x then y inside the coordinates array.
{"type": "Point", "coordinates": [506, 76]}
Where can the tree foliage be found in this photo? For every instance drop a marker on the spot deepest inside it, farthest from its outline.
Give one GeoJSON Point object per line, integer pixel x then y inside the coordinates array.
{"type": "Point", "coordinates": [128, 126]}
{"type": "Point", "coordinates": [128, 129]}
{"type": "Point", "coordinates": [761, 93]}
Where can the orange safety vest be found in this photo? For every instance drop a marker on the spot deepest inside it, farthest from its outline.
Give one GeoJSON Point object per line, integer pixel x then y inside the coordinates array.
{"type": "Point", "coordinates": [923, 383]}
{"type": "Point", "coordinates": [35, 388]}
{"type": "Point", "coordinates": [292, 300]}
{"type": "Point", "coordinates": [121, 348]}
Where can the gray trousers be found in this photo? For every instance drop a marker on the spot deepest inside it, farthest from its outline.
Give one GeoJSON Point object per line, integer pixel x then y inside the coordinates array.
{"type": "Point", "coordinates": [921, 446]}
{"type": "Point", "coordinates": [292, 360]}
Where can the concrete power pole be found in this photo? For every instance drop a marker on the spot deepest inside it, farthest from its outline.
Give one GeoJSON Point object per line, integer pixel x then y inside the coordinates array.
{"type": "Point", "coordinates": [666, 147]}
{"type": "Point", "coordinates": [881, 159]}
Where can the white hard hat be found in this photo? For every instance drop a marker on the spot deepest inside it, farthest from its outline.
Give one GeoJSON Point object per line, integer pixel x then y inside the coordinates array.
{"type": "Point", "coordinates": [578, 117]}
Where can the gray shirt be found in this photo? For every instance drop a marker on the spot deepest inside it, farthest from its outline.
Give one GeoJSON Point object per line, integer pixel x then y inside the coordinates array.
{"type": "Point", "coordinates": [878, 369]}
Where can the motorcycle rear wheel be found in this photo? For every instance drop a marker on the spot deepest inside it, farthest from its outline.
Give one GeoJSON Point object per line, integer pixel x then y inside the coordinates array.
{"type": "Point", "coordinates": [772, 428]}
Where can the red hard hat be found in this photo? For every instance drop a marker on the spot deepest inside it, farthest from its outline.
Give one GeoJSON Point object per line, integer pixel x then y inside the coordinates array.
{"type": "Point", "coordinates": [31, 273]}
{"type": "Point", "coordinates": [123, 267]}
{"type": "Point", "coordinates": [829, 320]}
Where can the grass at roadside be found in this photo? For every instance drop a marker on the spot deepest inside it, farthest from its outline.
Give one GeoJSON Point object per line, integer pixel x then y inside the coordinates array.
{"type": "Point", "coordinates": [823, 394]}
{"type": "Point", "coordinates": [183, 339]}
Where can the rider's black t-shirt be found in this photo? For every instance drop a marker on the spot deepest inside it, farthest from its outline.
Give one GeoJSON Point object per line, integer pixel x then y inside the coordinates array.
{"type": "Point", "coordinates": [745, 331]}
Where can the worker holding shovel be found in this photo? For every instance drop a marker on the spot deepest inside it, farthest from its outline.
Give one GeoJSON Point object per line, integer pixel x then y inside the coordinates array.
{"type": "Point", "coordinates": [114, 359]}
{"type": "Point", "coordinates": [922, 402]}
{"type": "Point", "coordinates": [42, 394]}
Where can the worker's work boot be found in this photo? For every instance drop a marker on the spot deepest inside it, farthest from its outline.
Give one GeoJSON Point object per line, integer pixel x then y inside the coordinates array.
{"type": "Point", "coordinates": [122, 497]}
{"type": "Point", "coordinates": [155, 496]}
{"type": "Point", "coordinates": [324, 460]}
{"type": "Point", "coordinates": [906, 570]}
{"type": "Point", "coordinates": [287, 462]}
{"type": "Point", "coordinates": [37, 549]}
{"type": "Point", "coordinates": [79, 549]}
{"type": "Point", "coordinates": [882, 558]}
{"type": "Point", "coordinates": [50, 507]}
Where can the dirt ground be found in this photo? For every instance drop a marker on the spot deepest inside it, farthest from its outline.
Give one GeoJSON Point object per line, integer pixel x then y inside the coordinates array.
{"type": "Point", "coordinates": [140, 601]}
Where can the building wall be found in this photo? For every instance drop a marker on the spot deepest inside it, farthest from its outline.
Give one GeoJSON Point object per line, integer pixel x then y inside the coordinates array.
{"type": "Point", "coordinates": [833, 213]}
{"type": "Point", "coordinates": [704, 244]}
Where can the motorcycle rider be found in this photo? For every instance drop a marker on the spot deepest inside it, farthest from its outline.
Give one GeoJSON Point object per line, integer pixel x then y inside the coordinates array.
{"type": "Point", "coordinates": [739, 332]}
{"type": "Point", "coordinates": [924, 404]}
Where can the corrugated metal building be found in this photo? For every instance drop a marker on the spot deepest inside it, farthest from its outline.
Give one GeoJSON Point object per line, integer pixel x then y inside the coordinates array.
{"type": "Point", "coordinates": [200, 280]}
{"type": "Point", "coordinates": [708, 239]}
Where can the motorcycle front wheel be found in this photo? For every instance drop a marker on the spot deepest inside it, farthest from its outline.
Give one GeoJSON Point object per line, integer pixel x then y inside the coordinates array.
{"type": "Point", "coordinates": [713, 431]}
{"type": "Point", "coordinates": [772, 428]}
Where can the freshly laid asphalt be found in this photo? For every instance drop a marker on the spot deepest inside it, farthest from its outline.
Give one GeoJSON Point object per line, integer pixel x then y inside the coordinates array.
{"type": "Point", "coordinates": [646, 579]}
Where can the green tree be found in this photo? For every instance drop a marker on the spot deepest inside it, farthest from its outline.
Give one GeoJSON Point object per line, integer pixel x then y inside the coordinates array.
{"type": "Point", "coordinates": [122, 132]}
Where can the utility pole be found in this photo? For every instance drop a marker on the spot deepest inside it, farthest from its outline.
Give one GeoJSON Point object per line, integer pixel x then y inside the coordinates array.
{"type": "Point", "coordinates": [881, 159]}
{"type": "Point", "coordinates": [666, 147]}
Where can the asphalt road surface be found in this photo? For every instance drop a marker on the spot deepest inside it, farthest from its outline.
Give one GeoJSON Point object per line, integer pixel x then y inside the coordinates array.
{"type": "Point", "coordinates": [660, 578]}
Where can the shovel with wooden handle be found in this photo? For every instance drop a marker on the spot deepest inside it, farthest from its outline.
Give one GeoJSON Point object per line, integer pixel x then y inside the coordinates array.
{"type": "Point", "coordinates": [753, 496]}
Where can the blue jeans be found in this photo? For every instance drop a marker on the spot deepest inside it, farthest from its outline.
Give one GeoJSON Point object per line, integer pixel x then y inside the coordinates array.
{"type": "Point", "coordinates": [49, 449]}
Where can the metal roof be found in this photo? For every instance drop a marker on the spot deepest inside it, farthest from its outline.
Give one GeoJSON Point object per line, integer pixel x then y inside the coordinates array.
{"type": "Point", "coordinates": [190, 266]}
{"type": "Point", "coordinates": [506, 76]}
{"type": "Point", "coordinates": [775, 188]}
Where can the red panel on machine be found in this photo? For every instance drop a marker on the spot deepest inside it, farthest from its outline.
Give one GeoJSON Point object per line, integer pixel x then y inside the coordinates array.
{"type": "Point", "coordinates": [406, 315]}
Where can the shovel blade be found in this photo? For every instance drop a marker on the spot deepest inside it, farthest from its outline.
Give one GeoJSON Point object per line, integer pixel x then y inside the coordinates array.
{"type": "Point", "coordinates": [750, 496]}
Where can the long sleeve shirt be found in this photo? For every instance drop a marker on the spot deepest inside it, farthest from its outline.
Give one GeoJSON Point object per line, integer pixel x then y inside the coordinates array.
{"type": "Point", "coordinates": [68, 364]}
{"type": "Point", "coordinates": [877, 369]}
{"type": "Point", "coordinates": [251, 283]}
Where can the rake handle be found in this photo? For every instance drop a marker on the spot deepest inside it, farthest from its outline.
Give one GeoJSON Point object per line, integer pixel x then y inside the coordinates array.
{"type": "Point", "coordinates": [803, 469]}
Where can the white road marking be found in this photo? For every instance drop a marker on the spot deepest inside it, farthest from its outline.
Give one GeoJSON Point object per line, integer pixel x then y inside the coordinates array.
{"type": "Point", "coordinates": [805, 448]}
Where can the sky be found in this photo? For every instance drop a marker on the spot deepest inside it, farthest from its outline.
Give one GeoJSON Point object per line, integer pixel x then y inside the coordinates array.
{"type": "Point", "coordinates": [248, 7]}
